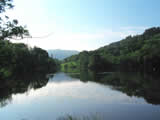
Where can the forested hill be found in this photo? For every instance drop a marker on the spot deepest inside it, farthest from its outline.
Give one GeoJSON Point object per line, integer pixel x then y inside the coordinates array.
{"type": "Point", "coordinates": [61, 54]}
{"type": "Point", "coordinates": [134, 53]}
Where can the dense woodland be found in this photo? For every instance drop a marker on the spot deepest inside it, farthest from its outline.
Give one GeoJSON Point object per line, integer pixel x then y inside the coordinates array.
{"type": "Point", "coordinates": [19, 58]}
{"type": "Point", "coordinates": [134, 53]}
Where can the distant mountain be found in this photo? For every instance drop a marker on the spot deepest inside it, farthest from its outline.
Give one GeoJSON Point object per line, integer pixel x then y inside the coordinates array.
{"type": "Point", "coordinates": [61, 54]}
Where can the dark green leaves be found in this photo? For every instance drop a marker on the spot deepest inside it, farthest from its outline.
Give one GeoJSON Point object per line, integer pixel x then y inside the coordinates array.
{"type": "Point", "coordinates": [10, 29]}
{"type": "Point", "coordinates": [5, 4]}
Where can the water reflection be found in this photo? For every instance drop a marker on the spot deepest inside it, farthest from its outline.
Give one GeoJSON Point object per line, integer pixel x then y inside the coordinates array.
{"type": "Point", "coordinates": [20, 84]}
{"type": "Point", "coordinates": [132, 84]}
{"type": "Point", "coordinates": [68, 95]}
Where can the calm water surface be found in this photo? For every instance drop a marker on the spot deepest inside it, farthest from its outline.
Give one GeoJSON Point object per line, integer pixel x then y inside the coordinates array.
{"type": "Point", "coordinates": [112, 96]}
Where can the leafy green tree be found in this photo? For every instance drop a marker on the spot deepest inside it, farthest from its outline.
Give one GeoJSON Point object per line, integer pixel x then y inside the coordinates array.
{"type": "Point", "coordinates": [10, 29]}
{"type": "Point", "coordinates": [84, 60]}
{"type": "Point", "coordinates": [134, 53]}
{"type": "Point", "coordinates": [94, 62]}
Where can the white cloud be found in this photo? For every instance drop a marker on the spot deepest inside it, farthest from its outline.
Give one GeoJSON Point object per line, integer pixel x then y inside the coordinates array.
{"type": "Point", "coordinates": [39, 24]}
{"type": "Point", "coordinates": [80, 40]}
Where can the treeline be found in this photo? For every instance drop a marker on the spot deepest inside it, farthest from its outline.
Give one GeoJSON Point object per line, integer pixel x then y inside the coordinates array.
{"type": "Point", "coordinates": [19, 58]}
{"type": "Point", "coordinates": [134, 53]}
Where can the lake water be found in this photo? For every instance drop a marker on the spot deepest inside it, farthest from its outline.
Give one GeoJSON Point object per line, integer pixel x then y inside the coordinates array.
{"type": "Point", "coordinates": [110, 96]}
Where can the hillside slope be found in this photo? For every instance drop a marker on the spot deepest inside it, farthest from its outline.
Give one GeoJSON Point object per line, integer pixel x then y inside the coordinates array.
{"type": "Point", "coordinates": [134, 53]}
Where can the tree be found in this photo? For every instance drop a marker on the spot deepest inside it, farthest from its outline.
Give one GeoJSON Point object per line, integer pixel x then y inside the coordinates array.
{"type": "Point", "coordinates": [84, 60]}
{"type": "Point", "coordinates": [10, 29]}
{"type": "Point", "coordinates": [5, 4]}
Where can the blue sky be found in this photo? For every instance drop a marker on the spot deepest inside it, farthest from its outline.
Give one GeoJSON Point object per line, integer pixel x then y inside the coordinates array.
{"type": "Point", "coordinates": [84, 24]}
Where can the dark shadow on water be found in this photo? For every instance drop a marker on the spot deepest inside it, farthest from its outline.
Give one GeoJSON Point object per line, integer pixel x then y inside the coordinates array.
{"type": "Point", "coordinates": [19, 83]}
{"type": "Point", "coordinates": [132, 84]}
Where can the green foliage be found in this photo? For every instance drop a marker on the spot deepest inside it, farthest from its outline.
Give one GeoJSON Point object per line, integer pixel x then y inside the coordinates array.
{"type": "Point", "coordinates": [10, 29]}
{"type": "Point", "coordinates": [5, 4]}
{"type": "Point", "coordinates": [84, 60]}
{"type": "Point", "coordinates": [5, 73]}
{"type": "Point", "coordinates": [69, 67]}
{"type": "Point", "coordinates": [134, 53]}
{"type": "Point", "coordinates": [19, 58]}
{"type": "Point", "coordinates": [22, 59]}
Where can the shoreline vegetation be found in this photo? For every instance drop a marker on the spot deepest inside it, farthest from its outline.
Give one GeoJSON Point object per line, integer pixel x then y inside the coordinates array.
{"type": "Point", "coordinates": [139, 53]}
{"type": "Point", "coordinates": [23, 68]}
{"type": "Point", "coordinates": [18, 58]}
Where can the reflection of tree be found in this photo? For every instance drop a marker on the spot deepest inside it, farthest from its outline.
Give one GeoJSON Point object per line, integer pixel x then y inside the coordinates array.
{"type": "Point", "coordinates": [132, 84]}
{"type": "Point", "coordinates": [20, 84]}
{"type": "Point", "coordinates": [135, 84]}
{"type": "Point", "coordinates": [6, 100]}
